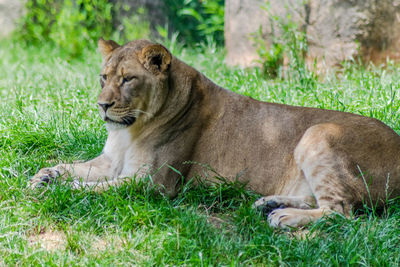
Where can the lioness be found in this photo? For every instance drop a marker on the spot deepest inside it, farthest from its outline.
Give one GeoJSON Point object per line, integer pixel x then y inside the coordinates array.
{"type": "Point", "coordinates": [160, 112]}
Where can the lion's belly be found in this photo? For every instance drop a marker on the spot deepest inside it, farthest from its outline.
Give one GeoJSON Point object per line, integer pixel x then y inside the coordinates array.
{"type": "Point", "coordinates": [250, 156]}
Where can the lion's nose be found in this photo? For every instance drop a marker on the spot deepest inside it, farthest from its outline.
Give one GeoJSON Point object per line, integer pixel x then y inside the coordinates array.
{"type": "Point", "coordinates": [105, 106]}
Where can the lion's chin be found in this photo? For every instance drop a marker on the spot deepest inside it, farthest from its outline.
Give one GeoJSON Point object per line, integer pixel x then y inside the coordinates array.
{"type": "Point", "coordinates": [116, 125]}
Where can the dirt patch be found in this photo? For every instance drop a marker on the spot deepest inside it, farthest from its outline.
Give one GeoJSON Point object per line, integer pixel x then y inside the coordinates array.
{"type": "Point", "coordinates": [216, 221]}
{"type": "Point", "coordinates": [59, 241]}
{"type": "Point", "coordinates": [49, 240]}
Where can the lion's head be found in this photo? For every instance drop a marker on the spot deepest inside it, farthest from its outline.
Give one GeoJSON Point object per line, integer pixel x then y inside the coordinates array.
{"type": "Point", "coordinates": [134, 81]}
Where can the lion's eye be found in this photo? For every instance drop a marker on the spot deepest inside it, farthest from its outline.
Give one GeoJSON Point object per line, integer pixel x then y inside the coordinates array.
{"type": "Point", "coordinates": [103, 76]}
{"type": "Point", "coordinates": [128, 79]}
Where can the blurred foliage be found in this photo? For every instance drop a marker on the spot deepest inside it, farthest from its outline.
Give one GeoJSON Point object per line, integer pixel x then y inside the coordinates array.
{"type": "Point", "coordinates": [72, 25]}
{"type": "Point", "coordinates": [270, 56]}
{"type": "Point", "coordinates": [130, 27]}
{"type": "Point", "coordinates": [197, 20]}
{"type": "Point", "coordinates": [75, 25]}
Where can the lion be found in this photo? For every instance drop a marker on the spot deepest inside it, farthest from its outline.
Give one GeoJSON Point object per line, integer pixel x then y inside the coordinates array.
{"type": "Point", "coordinates": [161, 113]}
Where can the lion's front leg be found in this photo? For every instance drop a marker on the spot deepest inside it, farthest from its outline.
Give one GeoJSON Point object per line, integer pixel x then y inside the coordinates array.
{"type": "Point", "coordinates": [95, 170]}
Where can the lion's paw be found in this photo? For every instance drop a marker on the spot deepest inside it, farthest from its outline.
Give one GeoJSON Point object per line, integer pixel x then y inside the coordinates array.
{"type": "Point", "coordinates": [267, 204]}
{"type": "Point", "coordinates": [288, 218]}
{"type": "Point", "coordinates": [44, 177]}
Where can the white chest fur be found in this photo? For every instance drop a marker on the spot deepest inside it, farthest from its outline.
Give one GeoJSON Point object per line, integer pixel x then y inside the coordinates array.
{"type": "Point", "coordinates": [127, 155]}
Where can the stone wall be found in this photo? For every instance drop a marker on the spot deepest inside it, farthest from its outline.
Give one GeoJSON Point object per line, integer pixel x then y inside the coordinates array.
{"type": "Point", "coordinates": [337, 30]}
{"type": "Point", "coordinates": [10, 12]}
{"type": "Point", "coordinates": [243, 18]}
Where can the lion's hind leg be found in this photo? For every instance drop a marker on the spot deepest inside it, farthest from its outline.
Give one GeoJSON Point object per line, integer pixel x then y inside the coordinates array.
{"type": "Point", "coordinates": [327, 173]}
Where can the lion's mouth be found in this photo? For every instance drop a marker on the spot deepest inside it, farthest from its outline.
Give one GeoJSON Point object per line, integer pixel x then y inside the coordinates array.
{"type": "Point", "coordinates": [126, 121]}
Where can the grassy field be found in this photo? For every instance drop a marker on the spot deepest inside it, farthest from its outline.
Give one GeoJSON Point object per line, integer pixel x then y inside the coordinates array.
{"type": "Point", "coordinates": [48, 114]}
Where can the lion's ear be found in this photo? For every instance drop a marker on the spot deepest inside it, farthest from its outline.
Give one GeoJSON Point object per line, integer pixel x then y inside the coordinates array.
{"type": "Point", "coordinates": [155, 58]}
{"type": "Point", "coordinates": [106, 47]}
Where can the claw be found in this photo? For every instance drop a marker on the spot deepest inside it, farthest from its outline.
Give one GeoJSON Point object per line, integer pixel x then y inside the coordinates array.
{"type": "Point", "coordinates": [270, 206]}
{"type": "Point", "coordinates": [44, 177]}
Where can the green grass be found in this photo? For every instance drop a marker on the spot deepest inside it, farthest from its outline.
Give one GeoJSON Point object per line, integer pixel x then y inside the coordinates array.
{"type": "Point", "coordinates": [48, 114]}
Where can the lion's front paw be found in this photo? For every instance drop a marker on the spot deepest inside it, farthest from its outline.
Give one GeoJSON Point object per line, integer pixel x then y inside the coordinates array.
{"type": "Point", "coordinates": [44, 177]}
{"type": "Point", "coordinates": [289, 217]}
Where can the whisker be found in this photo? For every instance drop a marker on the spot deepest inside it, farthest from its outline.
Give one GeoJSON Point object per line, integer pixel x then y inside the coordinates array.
{"type": "Point", "coordinates": [141, 111]}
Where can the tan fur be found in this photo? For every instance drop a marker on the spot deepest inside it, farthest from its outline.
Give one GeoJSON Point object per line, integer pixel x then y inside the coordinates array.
{"type": "Point", "coordinates": [308, 162]}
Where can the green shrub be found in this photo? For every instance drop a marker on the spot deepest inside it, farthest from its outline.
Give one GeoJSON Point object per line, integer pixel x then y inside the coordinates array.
{"type": "Point", "coordinates": [270, 55]}
{"type": "Point", "coordinates": [39, 18]}
{"type": "Point", "coordinates": [133, 27]}
{"type": "Point", "coordinates": [290, 43]}
{"type": "Point", "coordinates": [205, 19]}
{"type": "Point", "coordinates": [76, 25]}
{"type": "Point", "coordinates": [81, 23]}
{"type": "Point", "coordinates": [71, 25]}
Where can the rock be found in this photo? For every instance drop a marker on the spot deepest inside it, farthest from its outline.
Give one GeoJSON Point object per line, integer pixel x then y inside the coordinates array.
{"type": "Point", "coordinates": [342, 30]}
{"type": "Point", "coordinates": [241, 20]}
{"type": "Point", "coordinates": [10, 12]}
{"type": "Point", "coordinates": [244, 18]}
{"type": "Point", "coordinates": [337, 30]}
